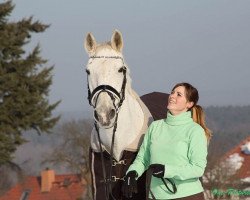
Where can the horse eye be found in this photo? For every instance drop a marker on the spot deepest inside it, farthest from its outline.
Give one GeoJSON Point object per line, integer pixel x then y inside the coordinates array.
{"type": "Point", "coordinates": [87, 71]}
{"type": "Point", "coordinates": [122, 69]}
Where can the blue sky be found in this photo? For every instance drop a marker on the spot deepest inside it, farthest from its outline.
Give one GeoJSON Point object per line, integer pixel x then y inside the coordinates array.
{"type": "Point", "coordinates": [205, 43]}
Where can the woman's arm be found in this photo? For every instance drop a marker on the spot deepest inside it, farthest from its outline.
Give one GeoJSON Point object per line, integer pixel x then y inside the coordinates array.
{"type": "Point", "coordinates": [197, 155]}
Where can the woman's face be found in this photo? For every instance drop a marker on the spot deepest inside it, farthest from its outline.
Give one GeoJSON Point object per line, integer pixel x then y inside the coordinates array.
{"type": "Point", "coordinates": [177, 101]}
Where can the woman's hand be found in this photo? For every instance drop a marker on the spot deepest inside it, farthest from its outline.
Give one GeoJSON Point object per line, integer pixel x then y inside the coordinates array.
{"type": "Point", "coordinates": [158, 170]}
{"type": "Point", "coordinates": [130, 185]}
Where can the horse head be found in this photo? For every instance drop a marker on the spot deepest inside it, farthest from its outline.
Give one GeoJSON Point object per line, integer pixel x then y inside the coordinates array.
{"type": "Point", "coordinates": [107, 79]}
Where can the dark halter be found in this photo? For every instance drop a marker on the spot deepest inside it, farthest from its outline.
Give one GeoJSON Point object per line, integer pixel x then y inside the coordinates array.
{"type": "Point", "coordinates": [114, 94]}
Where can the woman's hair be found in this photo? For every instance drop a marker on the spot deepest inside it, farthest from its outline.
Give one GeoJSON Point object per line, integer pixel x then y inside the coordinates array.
{"type": "Point", "coordinates": [198, 114]}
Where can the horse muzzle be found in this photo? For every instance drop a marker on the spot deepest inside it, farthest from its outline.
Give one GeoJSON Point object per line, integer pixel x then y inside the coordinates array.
{"type": "Point", "coordinates": [105, 119]}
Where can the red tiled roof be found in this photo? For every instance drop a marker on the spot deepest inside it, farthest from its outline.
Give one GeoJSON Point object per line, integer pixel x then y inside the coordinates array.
{"type": "Point", "coordinates": [61, 189]}
{"type": "Point", "coordinates": [244, 171]}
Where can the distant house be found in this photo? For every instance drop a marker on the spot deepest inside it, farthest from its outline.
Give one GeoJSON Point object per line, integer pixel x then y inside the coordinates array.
{"type": "Point", "coordinates": [234, 169]}
{"type": "Point", "coordinates": [48, 186]}
{"type": "Point", "coordinates": [239, 159]}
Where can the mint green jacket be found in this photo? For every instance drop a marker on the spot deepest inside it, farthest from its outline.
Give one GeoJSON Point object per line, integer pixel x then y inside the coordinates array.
{"type": "Point", "coordinates": [179, 144]}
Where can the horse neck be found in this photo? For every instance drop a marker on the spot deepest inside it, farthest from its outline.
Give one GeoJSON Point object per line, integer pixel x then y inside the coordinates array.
{"type": "Point", "coordinates": [131, 108]}
{"type": "Point", "coordinates": [130, 123]}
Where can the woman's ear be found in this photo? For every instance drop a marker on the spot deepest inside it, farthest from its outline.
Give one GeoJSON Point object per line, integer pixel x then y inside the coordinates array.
{"type": "Point", "coordinates": [190, 104]}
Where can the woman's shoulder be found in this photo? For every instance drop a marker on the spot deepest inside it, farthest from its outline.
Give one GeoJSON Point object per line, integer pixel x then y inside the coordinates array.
{"type": "Point", "coordinates": [157, 122]}
{"type": "Point", "coordinates": [196, 131]}
{"type": "Point", "coordinates": [197, 126]}
{"type": "Point", "coordinates": [155, 125]}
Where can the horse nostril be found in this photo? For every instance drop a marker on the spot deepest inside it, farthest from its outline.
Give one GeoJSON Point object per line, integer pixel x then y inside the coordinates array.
{"type": "Point", "coordinates": [96, 115]}
{"type": "Point", "coordinates": [111, 113]}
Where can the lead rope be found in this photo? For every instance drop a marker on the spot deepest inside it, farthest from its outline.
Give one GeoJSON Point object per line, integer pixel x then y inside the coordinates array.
{"type": "Point", "coordinates": [103, 164]}
{"type": "Point", "coordinates": [111, 157]}
{"type": "Point", "coordinates": [148, 182]}
{"type": "Point", "coordinates": [107, 182]}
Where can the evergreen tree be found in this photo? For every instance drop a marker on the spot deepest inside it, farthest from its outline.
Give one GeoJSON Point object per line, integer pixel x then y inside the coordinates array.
{"type": "Point", "coordinates": [24, 83]}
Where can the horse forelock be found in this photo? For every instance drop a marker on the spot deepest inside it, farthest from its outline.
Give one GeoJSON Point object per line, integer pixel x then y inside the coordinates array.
{"type": "Point", "coordinates": [105, 49]}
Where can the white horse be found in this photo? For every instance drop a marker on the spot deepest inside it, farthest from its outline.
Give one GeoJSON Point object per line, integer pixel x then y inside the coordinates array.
{"type": "Point", "coordinates": [104, 68]}
{"type": "Point", "coordinates": [115, 103]}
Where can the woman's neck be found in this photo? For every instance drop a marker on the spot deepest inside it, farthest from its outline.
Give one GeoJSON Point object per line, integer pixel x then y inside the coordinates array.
{"type": "Point", "coordinates": [175, 113]}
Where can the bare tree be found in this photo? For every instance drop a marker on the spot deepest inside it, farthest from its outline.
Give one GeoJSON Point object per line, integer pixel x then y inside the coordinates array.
{"type": "Point", "coordinates": [73, 151]}
{"type": "Point", "coordinates": [10, 173]}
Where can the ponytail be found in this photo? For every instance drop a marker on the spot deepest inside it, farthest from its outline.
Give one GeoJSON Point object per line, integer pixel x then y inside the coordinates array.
{"type": "Point", "coordinates": [198, 116]}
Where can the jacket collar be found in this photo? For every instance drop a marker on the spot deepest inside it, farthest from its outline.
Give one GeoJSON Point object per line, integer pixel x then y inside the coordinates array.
{"type": "Point", "coordinates": [180, 119]}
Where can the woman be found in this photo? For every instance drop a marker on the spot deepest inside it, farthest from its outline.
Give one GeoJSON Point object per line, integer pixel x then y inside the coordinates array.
{"type": "Point", "coordinates": [174, 149]}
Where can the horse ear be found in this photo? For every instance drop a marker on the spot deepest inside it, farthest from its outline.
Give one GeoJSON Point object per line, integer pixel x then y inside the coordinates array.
{"type": "Point", "coordinates": [117, 41]}
{"type": "Point", "coordinates": [90, 43]}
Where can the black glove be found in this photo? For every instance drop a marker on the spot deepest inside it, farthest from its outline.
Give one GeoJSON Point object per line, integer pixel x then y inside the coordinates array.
{"type": "Point", "coordinates": [158, 170]}
{"type": "Point", "coordinates": [130, 186]}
